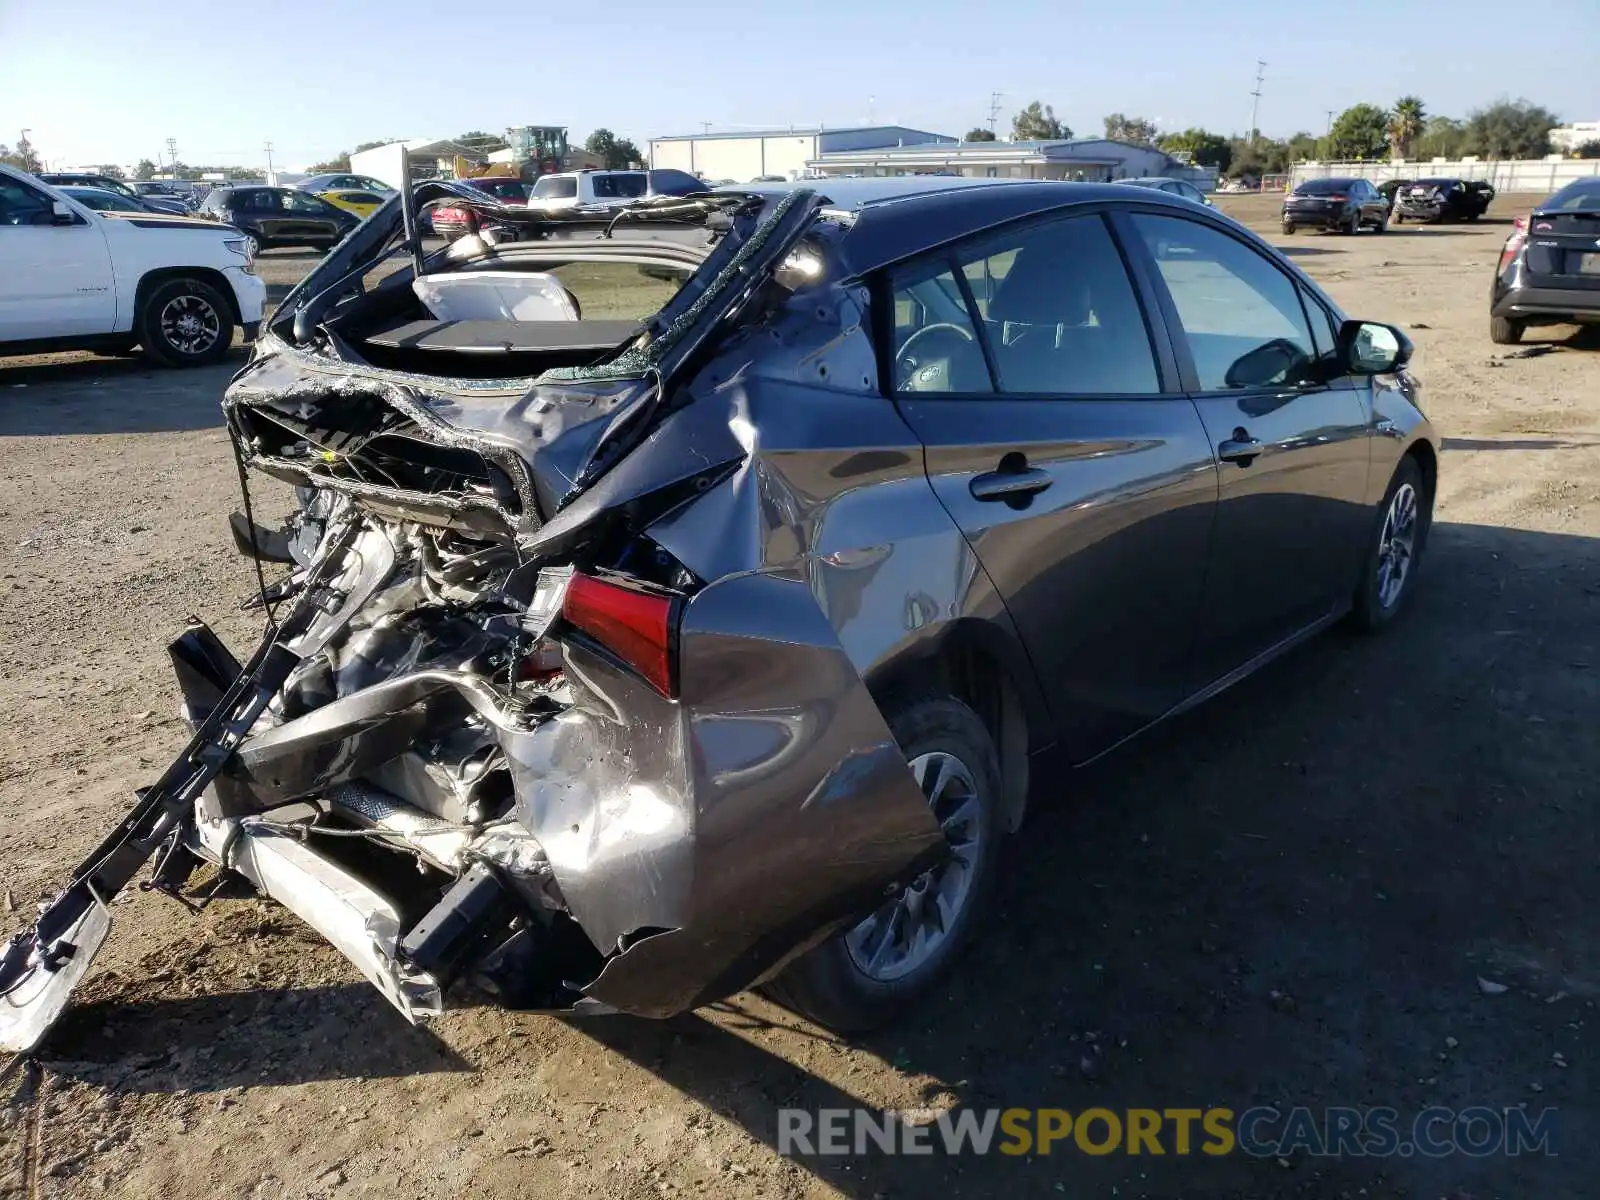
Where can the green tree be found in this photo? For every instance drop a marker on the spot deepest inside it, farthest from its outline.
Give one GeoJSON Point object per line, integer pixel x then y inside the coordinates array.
{"type": "Point", "coordinates": [1204, 148]}
{"type": "Point", "coordinates": [339, 162]}
{"type": "Point", "coordinates": [615, 152]}
{"type": "Point", "coordinates": [979, 134]}
{"type": "Point", "coordinates": [1263, 156]}
{"type": "Point", "coordinates": [1359, 132]}
{"type": "Point", "coordinates": [1588, 150]}
{"type": "Point", "coordinates": [1509, 129]}
{"type": "Point", "coordinates": [1441, 137]}
{"type": "Point", "coordinates": [1406, 123]}
{"type": "Point", "coordinates": [1037, 123]}
{"type": "Point", "coordinates": [110, 171]}
{"type": "Point", "coordinates": [23, 157]}
{"type": "Point", "coordinates": [1303, 146]}
{"type": "Point", "coordinates": [145, 169]}
{"type": "Point", "coordinates": [360, 146]}
{"type": "Point", "coordinates": [1130, 129]}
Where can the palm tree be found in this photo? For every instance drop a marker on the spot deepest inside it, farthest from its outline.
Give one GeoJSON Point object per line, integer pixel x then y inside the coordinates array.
{"type": "Point", "coordinates": [1405, 124]}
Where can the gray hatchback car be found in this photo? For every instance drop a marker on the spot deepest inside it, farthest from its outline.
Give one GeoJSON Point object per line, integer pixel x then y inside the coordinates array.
{"type": "Point", "coordinates": [715, 623]}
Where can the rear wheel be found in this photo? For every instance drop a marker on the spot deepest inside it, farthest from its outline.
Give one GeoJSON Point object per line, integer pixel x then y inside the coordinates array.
{"type": "Point", "coordinates": [1288, 227]}
{"type": "Point", "coordinates": [868, 974]}
{"type": "Point", "coordinates": [1354, 227]}
{"type": "Point", "coordinates": [185, 323]}
{"type": "Point", "coordinates": [1503, 331]}
{"type": "Point", "coordinates": [1404, 518]}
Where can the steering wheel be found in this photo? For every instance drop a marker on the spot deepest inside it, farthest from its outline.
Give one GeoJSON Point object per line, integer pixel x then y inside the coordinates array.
{"type": "Point", "coordinates": [931, 366]}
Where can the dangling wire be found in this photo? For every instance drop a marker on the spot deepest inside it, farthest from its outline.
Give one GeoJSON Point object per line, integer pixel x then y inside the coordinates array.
{"type": "Point", "coordinates": [270, 607]}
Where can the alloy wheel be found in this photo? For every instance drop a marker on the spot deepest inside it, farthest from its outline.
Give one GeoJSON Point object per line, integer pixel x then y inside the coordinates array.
{"type": "Point", "coordinates": [907, 931]}
{"type": "Point", "coordinates": [1397, 545]}
{"type": "Point", "coordinates": [190, 324]}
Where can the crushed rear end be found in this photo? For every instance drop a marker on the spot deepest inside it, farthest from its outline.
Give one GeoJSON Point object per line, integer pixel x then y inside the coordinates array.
{"type": "Point", "coordinates": [540, 705]}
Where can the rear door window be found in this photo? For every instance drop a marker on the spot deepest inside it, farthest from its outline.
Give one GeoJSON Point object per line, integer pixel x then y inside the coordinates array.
{"type": "Point", "coordinates": [1052, 308]}
{"type": "Point", "coordinates": [1059, 312]}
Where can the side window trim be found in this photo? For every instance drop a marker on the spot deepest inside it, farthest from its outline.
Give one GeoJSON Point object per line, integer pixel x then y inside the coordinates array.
{"type": "Point", "coordinates": [1137, 249]}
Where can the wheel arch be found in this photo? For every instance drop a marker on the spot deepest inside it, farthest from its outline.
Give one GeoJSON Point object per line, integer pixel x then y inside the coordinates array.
{"type": "Point", "coordinates": [987, 670]}
{"type": "Point", "coordinates": [1428, 462]}
{"type": "Point", "coordinates": [211, 276]}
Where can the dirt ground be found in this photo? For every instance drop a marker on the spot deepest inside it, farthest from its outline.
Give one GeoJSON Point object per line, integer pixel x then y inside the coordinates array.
{"type": "Point", "coordinates": [1288, 896]}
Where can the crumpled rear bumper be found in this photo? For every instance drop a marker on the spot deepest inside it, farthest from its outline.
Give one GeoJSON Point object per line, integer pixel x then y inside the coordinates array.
{"type": "Point", "coordinates": [697, 842]}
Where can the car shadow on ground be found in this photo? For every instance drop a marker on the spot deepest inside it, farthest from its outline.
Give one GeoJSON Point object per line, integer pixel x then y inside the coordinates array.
{"type": "Point", "coordinates": [1306, 251]}
{"type": "Point", "coordinates": [80, 395]}
{"type": "Point", "coordinates": [1285, 897]}
{"type": "Point", "coordinates": [202, 1043]}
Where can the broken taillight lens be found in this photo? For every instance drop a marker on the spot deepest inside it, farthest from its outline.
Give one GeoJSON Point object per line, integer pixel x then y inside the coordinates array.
{"type": "Point", "coordinates": [634, 625]}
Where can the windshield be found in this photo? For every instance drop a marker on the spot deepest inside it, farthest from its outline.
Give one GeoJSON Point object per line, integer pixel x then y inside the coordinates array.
{"type": "Point", "coordinates": [1581, 193]}
{"type": "Point", "coordinates": [556, 187]}
{"type": "Point", "coordinates": [1323, 187]}
{"type": "Point", "coordinates": [102, 201]}
{"type": "Point", "coordinates": [623, 185]}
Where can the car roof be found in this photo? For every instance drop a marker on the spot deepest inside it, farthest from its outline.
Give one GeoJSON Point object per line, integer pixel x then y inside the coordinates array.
{"type": "Point", "coordinates": [899, 217]}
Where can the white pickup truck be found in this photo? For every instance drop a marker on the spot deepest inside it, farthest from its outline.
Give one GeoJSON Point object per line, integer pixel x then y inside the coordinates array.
{"type": "Point", "coordinates": [72, 278]}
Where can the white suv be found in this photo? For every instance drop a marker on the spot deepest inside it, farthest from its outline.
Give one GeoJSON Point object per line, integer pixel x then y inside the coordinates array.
{"type": "Point", "coordinates": [72, 278]}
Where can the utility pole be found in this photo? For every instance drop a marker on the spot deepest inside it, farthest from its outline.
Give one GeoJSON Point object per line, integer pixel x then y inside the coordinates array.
{"type": "Point", "coordinates": [1330, 122]}
{"type": "Point", "coordinates": [705, 126]}
{"type": "Point", "coordinates": [172, 152]}
{"type": "Point", "coordinates": [1255, 100]}
{"type": "Point", "coordinates": [994, 109]}
{"type": "Point", "coordinates": [271, 175]}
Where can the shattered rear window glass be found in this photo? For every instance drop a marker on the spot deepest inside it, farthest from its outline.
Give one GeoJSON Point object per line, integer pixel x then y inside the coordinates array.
{"type": "Point", "coordinates": [638, 360]}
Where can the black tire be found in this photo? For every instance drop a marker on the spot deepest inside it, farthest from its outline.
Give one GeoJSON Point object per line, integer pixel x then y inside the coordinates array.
{"type": "Point", "coordinates": [1382, 225]}
{"type": "Point", "coordinates": [1288, 227]}
{"type": "Point", "coordinates": [1503, 331]}
{"type": "Point", "coordinates": [165, 336]}
{"type": "Point", "coordinates": [1355, 225]}
{"type": "Point", "coordinates": [826, 984]}
{"type": "Point", "coordinates": [1373, 610]}
{"type": "Point", "coordinates": [1399, 219]}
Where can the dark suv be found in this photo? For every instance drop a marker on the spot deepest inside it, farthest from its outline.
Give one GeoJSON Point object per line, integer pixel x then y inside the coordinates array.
{"type": "Point", "coordinates": [281, 216]}
{"type": "Point", "coordinates": [1342, 205]}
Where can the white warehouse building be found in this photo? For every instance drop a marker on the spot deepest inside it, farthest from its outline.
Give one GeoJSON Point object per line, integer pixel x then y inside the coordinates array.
{"type": "Point", "coordinates": [751, 154]}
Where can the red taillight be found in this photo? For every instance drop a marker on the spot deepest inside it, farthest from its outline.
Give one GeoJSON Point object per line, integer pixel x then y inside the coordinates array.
{"type": "Point", "coordinates": [635, 626]}
{"type": "Point", "coordinates": [1338, 196]}
{"type": "Point", "coordinates": [450, 214]}
{"type": "Point", "coordinates": [1508, 252]}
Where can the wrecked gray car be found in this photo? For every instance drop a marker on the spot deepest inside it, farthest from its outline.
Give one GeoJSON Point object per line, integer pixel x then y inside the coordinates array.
{"type": "Point", "coordinates": [689, 596]}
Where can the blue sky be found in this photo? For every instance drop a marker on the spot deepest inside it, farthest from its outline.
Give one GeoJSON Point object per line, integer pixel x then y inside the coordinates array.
{"type": "Point", "coordinates": [102, 81]}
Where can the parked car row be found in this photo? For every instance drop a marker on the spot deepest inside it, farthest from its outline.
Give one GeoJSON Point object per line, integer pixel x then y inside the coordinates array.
{"type": "Point", "coordinates": [87, 268]}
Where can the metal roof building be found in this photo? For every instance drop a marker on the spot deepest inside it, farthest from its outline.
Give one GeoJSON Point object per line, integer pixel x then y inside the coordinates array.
{"type": "Point", "coordinates": [1088, 159]}
{"type": "Point", "coordinates": [749, 154]}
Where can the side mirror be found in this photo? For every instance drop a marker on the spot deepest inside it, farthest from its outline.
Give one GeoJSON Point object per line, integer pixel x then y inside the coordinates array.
{"type": "Point", "coordinates": [61, 213]}
{"type": "Point", "coordinates": [1368, 348]}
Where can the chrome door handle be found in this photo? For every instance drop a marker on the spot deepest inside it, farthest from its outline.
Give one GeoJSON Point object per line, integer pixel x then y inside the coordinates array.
{"type": "Point", "coordinates": [1241, 448]}
{"type": "Point", "coordinates": [1009, 485]}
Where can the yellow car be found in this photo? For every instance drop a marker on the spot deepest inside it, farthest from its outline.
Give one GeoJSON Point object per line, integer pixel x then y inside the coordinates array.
{"type": "Point", "coordinates": [363, 204]}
